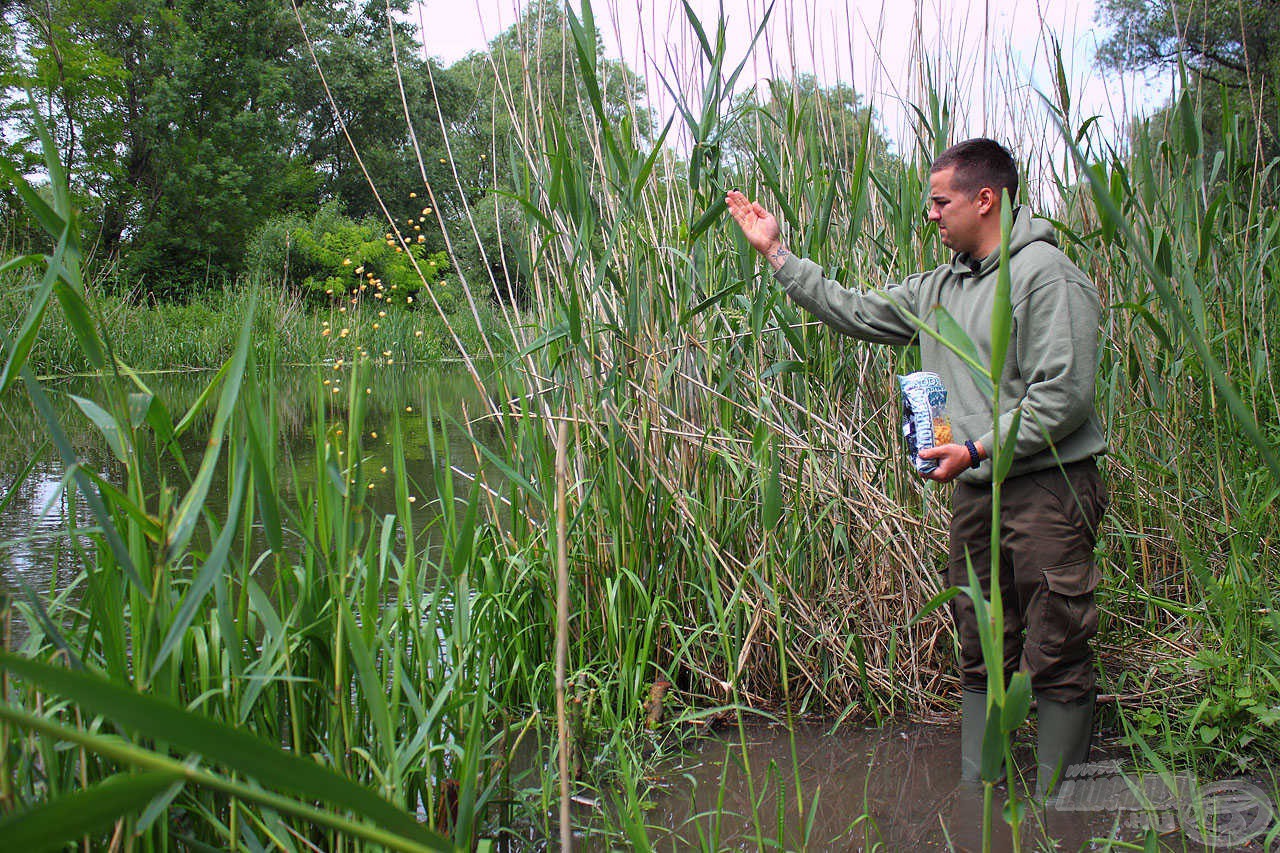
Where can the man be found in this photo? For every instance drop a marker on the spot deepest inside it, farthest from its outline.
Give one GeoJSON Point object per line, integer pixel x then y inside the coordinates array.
{"type": "Point", "coordinates": [1053, 499]}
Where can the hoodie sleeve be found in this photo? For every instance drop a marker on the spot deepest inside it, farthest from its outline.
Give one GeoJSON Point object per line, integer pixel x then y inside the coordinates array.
{"type": "Point", "coordinates": [1057, 352]}
{"type": "Point", "coordinates": [871, 315]}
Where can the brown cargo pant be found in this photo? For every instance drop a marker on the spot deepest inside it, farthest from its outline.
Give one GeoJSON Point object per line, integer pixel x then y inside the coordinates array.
{"type": "Point", "coordinates": [1048, 527]}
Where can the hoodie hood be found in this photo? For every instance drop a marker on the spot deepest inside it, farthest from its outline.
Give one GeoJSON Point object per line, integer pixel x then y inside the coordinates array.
{"type": "Point", "coordinates": [1026, 230]}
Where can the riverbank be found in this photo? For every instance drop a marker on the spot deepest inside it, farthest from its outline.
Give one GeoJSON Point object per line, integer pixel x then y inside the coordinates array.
{"type": "Point", "coordinates": [200, 333]}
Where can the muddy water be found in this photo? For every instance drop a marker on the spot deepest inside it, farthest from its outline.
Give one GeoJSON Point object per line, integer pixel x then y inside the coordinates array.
{"type": "Point", "coordinates": [895, 788]}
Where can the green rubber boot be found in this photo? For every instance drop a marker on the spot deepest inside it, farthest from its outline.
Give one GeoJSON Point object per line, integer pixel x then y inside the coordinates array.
{"type": "Point", "coordinates": [1065, 733]}
{"type": "Point", "coordinates": [973, 722]}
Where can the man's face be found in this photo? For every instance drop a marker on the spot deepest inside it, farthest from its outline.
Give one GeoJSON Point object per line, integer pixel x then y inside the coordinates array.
{"type": "Point", "coordinates": [957, 215]}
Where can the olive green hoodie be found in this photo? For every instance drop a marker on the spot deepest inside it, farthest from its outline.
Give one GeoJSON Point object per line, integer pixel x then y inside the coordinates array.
{"type": "Point", "coordinates": [1053, 352]}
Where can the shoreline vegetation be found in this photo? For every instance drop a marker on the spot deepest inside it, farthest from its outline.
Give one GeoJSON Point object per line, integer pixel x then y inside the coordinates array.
{"type": "Point", "coordinates": [200, 333]}
{"type": "Point", "coordinates": [741, 538]}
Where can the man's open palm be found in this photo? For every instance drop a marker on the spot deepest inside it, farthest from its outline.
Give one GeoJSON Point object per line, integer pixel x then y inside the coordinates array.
{"type": "Point", "coordinates": [758, 225]}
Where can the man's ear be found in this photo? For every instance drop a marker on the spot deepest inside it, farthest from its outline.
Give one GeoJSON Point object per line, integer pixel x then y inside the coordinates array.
{"type": "Point", "coordinates": [987, 200]}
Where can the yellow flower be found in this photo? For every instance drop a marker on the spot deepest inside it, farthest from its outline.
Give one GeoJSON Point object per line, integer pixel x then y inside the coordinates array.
{"type": "Point", "coordinates": [328, 382]}
{"type": "Point", "coordinates": [324, 322]}
{"type": "Point", "coordinates": [382, 470]}
{"type": "Point", "coordinates": [421, 237]}
{"type": "Point", "coordinates": [425, 211]}
{"type": "Point", "coordinates": [484, 156]}
{"type": "Point", "coordinates": [386, 352]}
{"type": "Point", "coordinates": [336, 389]}
{"type": "Point", "coordinates": [346, 262]}
{"type": "Point", "coordinates": [408, 408]}
{"type": "Point", "coordinates": [329, 291]}
{"type": "Point", "coordinates": [364, 287]}
{"type": "Point", "coordinates": [390, 237]}
{"type": "Point", "coordinates": [375, 325]}
{"type": "Point", "coordinates": [412, 499]}
{"type": "Point", "coordinates": [382, 313]}
{"type": "Point", "coordinates": [442, 160]}
{"type": "Point", "coordinates": [373, 435]}
{"type": "Point", "coordinates": [371, 485]}
{"type": "Point", "coordinates": [418, 334]}
{"type": "Point", "coordinates": [367, 390]}
{"type": "Point", "coordinates": [409, 299]}
{"type": "Point", "coordinates": [398, 249]}
{"type": "Point", "coordinates": [324, 333]}
{"type": "Point", "coordinates": [342, 310]}
{"type": "Point", "coordinates": [359, 270]}
{"type": "Point", "coordinates": [411, 195]}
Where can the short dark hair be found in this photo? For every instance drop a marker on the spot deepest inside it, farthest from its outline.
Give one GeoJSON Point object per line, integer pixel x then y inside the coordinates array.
{"type": "Point", "coordinates": [979, 163]}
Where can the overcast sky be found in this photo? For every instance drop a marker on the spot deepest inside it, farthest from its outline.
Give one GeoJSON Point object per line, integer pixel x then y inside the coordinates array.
{"type": "Point", "coordinates": [872, 44]}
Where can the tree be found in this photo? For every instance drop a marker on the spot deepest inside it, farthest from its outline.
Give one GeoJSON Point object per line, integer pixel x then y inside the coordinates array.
{"type": "Point", "coordinates": [187, 123]}
{"type": "Point", "coordinates": [354, 50]}
{"type": "Point", "coordinates": [173, 118]}
{"type": "Point", "coordinates": [527, 87]}
{"type": "Point", "coordinates": [1234, 45]}
{"type": "Point", "coordinates": [836, 115]}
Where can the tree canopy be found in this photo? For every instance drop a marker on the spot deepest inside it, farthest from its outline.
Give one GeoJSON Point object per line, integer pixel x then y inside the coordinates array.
{"type": "Point", "coordinates": [1232, 44]}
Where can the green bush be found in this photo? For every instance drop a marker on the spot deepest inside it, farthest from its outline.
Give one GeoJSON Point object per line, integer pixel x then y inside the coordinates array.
{"type": "Point", "coordinates": [331, 256]}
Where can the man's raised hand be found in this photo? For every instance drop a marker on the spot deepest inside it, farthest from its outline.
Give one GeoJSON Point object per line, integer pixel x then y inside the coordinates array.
{"type": "Point", "coordinates": [759, 226]}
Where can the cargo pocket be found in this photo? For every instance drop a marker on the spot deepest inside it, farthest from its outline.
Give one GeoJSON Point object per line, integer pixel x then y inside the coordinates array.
{"type": "Point", "coordinates": [1070, 617]}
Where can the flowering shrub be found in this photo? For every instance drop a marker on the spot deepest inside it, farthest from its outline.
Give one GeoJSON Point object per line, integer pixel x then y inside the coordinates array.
{"type": "Point", "coordinates": [329, 258]}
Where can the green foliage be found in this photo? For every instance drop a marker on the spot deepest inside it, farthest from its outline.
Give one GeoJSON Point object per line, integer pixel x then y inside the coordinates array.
{"type": "Point", "coordinates": [329, 257]}
{"type": "Point", "coordinates": [1231, 47]}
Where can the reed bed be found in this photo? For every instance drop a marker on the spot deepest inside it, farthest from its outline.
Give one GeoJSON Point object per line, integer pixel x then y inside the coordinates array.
{"type": "Point", "coordinates": [740, 534]}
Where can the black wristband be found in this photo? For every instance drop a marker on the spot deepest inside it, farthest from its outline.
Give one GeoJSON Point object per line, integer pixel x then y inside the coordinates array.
{"type": "Point", "coordinates": [974, 459]}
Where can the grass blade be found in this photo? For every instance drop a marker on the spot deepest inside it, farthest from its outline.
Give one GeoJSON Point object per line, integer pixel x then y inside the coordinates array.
{"type": "Point", "coordinates": [216, 741]}
{"type": "Point", "coordinates": [52, 825]}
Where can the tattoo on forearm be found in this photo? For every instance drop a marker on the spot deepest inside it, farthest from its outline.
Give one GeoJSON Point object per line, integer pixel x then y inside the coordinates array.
{"type": "Point", "coordinates": [779, 253]}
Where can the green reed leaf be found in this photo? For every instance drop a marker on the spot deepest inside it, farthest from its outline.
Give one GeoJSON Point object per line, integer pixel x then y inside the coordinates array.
{"type": "Point", "coordinates": [1001, 307]}
{"type": "Point", "coordinates": [26, 339]}
{"type": "Point", "coordinates": [1004, 455]}
{"type": "Point", "coordinates": [213, 567]}
{"type": "Point", "coordinates": [714, 212]}
{"type": "Point", "coordinates": [65, 819]}
{"type": "Point", "coordinates": [771, 510]}
{"type": "Point", "coordinates": [405, 833]}
{"type": "Point", "coordinates": [110, 430]}
{"type": "Point", "coordinates": [192, 505]}
{"type": "Point", "coordinates": [52, 223]}
{"type": "Point", "coordinates": [69, 291]}
{"type": "Point", "coordinates": [1017, 702]}
{"type": "Point", "coordinates": [217, 742]}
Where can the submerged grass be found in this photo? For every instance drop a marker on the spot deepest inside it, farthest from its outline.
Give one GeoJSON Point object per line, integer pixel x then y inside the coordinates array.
{"type": "Point", "coordinates": [737, 523]}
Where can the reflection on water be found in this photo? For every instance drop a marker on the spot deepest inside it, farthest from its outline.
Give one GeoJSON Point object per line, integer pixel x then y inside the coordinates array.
{"type": "Point", "coordinates": [34, 547]}
{"type": "Point", "coordinates": [893, 788]}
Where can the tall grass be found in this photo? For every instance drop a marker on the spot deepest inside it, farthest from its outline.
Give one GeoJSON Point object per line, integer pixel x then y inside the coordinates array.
{"type": "Point", "coordinates": [738, 523]}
